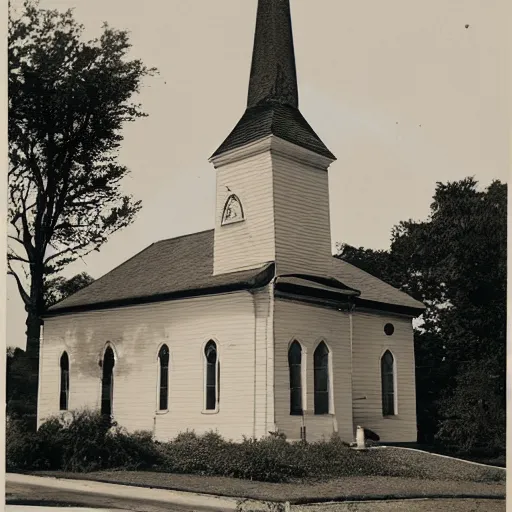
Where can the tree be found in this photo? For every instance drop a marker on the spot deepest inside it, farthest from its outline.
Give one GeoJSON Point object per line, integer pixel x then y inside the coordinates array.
{"type": "Point", "coordinates": [455, 263]}
{"type": "Point", "coordinates": [58, 288]}
{"type": "Point", "coordinates": [68, 102]}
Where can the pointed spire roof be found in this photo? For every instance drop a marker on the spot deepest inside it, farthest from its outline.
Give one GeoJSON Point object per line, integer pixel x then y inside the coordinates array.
{"type": "Point", "coordinates": [273, 98]}
{"type": "Point", "coordinates": [273, 74]}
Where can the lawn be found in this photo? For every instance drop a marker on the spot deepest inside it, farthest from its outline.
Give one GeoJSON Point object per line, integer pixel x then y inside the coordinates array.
{"type": "Point", "coordinates": [429, 476]}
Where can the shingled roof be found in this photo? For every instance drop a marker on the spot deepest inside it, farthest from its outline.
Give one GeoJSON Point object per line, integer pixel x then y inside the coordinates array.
{"type": "Point", "coordinates": [273, 97]}
{"type": "Point", "coordinates": [183, 266]}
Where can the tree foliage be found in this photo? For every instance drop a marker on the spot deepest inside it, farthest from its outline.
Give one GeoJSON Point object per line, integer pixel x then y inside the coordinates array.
{"type": "Point", "coordinates": [455, 263]}
{"type": "Point", "coordinates": [58, 288]}
{"type": "Point", "coordinates": [68, 102]}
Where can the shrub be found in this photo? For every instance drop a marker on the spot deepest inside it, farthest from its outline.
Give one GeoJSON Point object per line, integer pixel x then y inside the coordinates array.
{"type": "Point", "coordinates": [21, 445]}
{"type": "Point", "coordinates": [88, 443]}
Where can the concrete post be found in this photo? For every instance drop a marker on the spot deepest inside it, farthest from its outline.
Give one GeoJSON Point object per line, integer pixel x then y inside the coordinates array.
{"type": "Point", "coordinates": [360, 438]}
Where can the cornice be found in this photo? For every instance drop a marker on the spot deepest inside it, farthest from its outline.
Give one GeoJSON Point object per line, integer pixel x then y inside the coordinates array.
{"type": "Point", "coordinates": [276, 146]}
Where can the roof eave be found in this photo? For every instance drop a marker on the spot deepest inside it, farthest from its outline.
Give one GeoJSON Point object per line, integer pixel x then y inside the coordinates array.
{"type": "Point", "coordinates": [400, 309]}
{"type": "Point", "coordinates": [257, 281]}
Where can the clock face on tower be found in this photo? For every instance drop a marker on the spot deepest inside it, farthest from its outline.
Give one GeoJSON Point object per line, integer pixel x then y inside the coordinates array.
{"type": "Point", "coordinates": [233, 211]}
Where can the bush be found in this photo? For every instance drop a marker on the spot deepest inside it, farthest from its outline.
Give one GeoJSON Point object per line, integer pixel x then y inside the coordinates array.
{"type": "Point", "coordinates": [88, 443]}
{"type": "Point", "coordinates": [271, 459]}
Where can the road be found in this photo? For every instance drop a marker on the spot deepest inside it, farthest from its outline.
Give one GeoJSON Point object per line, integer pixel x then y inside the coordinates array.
{"type": "Point", "coordinates": [21, 496]}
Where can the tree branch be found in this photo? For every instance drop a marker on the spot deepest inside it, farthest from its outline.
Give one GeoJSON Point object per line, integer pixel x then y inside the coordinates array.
{"type": "Point", "coordinates": [24, 295]}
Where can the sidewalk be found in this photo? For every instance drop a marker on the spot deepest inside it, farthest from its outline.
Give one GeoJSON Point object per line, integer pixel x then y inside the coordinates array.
{"type": "Point", "coordinates": [22, 508]}
{"type": "Point", "coordinates": [175, 498]}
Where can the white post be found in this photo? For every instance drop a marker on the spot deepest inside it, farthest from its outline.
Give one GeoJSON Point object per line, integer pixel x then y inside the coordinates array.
{"type": "Point", "coordinates": [360, 438]}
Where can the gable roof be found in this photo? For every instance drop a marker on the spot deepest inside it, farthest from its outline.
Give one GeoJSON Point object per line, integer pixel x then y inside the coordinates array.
{"type": "Point", "coordinates": [183, 266]}
{"type": "Point", "coordinates": [373, 290]}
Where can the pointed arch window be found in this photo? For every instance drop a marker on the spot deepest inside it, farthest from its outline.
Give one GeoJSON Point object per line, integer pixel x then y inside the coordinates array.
{"type": "Point", "coordinates": [387, 364]}
{"type": "Point", "coordinates": [163, 384]}
{"type": "Point", "coordinates": [295, 366]}
{"type": "Point", "coordinates": [64, 382]}
{"type": "Point", "coordinates": [233, 210]}
{"type": "Point", "coordinates": [321, 377]}
{"type": "Point", "coordinates": [107, 382]}
{"type": "Point", "coordinates": [212, 376]}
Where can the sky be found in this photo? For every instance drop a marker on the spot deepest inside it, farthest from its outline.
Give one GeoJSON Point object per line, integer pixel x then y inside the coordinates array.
{"type": "Point", "coordinates": [402, 92]}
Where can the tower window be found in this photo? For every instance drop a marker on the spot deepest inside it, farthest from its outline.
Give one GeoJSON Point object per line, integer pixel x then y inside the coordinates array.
{"type": "Point", "coordinates": [64, 382]}
{"type": "Point", "coordinates": [233, 211]}
{"type": "Point", "coordinates": [163, 385]}
{"type": "Point", "coordinates": [321, 376]}
{"type": "Point", "coordinates": [295, 366]}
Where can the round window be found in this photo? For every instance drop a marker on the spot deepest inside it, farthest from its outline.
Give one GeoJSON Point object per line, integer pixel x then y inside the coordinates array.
{"type": "Point", "coordinates": [389, 329]}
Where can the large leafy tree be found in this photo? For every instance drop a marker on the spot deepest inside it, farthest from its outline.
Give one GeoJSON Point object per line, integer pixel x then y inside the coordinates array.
{"type": "Point", "coordinates": [68, 101]}
{"type": "Point", "coordinates": [455, 262]}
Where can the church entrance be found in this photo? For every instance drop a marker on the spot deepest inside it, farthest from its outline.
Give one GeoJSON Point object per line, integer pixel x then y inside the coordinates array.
{"type": "Point", "coordinates": [107, 382]}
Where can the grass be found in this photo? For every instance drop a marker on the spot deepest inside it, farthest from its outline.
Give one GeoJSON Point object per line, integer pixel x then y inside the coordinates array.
{"type": "Point", "coordinates": [429, 476]}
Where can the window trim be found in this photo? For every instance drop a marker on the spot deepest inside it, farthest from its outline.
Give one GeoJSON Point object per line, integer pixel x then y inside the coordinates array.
{"type": "Point", "coordinates": [217, 375]}
{"type": "Point", "coordinates": [158, 383]}
{"type": "Point", "coordinates": [68, 381]}
{"type": "Point", "coordinates": [330, 386]}
{"type": "Point", "coordinates": [395, 385]}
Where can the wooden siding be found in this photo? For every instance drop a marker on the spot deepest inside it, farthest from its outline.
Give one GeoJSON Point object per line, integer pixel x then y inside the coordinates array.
{"type": "Point", "coordinates": [136, 333]}
{"type": "Point", "coordinates": [369, 343]}
{"type": "Point", "coordinates": [309, 324]}
{"type": "Point", "coordinates": [303, 231]}
{"type": "Point", "coordinates": [250, 243]}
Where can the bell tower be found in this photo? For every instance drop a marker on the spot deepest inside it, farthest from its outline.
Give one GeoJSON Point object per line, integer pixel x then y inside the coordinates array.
{"type": "Point", "coordinates": [272, 201]}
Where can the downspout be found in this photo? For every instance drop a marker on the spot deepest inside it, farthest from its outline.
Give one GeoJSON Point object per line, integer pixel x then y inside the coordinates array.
{"type": "Point", "coordinates": [270, 320]}
{"type": "Point", "coordinates": [255, 353]}
{"type": "Point", "coordinates": [351, 335]}
{"type": "Point", "coordinates": [272, 290]}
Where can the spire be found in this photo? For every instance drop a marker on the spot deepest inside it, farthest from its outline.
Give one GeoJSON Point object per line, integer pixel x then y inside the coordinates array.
{"type": "Point", "coordinates": [273, 74]}
{"type": "Point", "coordinates": [273, 99]}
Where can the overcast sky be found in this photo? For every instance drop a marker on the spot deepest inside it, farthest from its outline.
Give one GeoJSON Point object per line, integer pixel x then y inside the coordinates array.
{"type": "Point", "coordinates": [399, 90]}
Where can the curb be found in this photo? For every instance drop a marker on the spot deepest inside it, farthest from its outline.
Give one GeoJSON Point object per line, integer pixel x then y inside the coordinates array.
{"type": "Point", "coordinates": [394, 497]}
{"type": "Point", "coordinates": [438, 455]}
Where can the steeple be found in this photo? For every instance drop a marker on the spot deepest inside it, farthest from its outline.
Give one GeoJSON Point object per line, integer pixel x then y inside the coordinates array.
{"type": "Point", "coordinates": [273, 74]}
{"type": "Point", "coordinates": [273, 99]}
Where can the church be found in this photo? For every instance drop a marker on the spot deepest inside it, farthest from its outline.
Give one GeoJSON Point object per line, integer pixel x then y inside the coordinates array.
{"type": "Point", "coordinates": [251, 327]}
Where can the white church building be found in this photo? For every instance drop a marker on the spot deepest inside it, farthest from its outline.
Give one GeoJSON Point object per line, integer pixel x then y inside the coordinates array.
{"type": "Point", "coordinates": [251, 327]}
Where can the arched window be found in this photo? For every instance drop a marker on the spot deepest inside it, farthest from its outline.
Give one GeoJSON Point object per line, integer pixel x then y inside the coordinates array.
{"type": "Point", "coordinates": [107, 382]}
{"type": "Point", "coordinates": [387, 366]}
{"type": "Point", "coordinates": [295, 365]}
{"type": "Point", "coordinates": [321, 375]}
{"type": "Point", "coordinates": [212, 376]}
{"type": "Point", "coordinates": [233, 210]}
{"type": "Point", "coordinates": [163, 384]}
{"type": "Point", "coordinates": [64, 382]}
